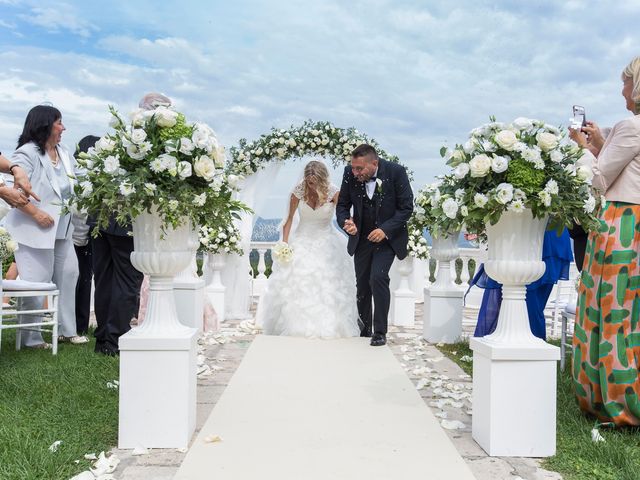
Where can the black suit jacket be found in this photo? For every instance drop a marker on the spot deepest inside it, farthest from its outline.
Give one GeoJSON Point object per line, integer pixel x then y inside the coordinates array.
{"type": "Point", "coordinates": [114, 228]}
{"type": "Point", "coordinates": [393, 207]}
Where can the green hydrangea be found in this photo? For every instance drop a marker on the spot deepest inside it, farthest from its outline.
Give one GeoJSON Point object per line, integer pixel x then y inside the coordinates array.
{"type": "Point", "coordinates": [179, 130]}
{"type": "Point", "coordinates": [525, 176]}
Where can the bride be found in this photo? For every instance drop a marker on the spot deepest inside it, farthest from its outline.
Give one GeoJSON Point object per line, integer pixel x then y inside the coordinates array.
{"type": "Point", "coordinates": [314, 294]}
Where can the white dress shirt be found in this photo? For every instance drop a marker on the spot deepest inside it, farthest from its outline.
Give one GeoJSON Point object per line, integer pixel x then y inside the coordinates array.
{"type": "Point", "coordinates": [370, 185]}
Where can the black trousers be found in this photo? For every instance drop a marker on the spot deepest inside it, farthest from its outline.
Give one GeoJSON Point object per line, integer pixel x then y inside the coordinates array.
{"type": "Point", "coordinates": [580, 238]}
{"type": "Point", "coordinates": [83, 287]}
{"type": "Point", "coordinates": [372, 263]}
{"type": "Point", "coordinates": [117, 295]}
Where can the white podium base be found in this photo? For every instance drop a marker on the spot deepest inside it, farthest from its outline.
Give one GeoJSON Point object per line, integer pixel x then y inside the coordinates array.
{"type": "Point", "coordinates": [215, 293]}
{"type": "Point", "coordinates": [189, 297]}
{"type": "Point", "coordinates": [514, 399]}
{"type": "Point", "coordinates": [404, 308]}
{"type": "Point", "coordinates": [157, 391]}
{"type": "Point", "coordinates": [442, 315]}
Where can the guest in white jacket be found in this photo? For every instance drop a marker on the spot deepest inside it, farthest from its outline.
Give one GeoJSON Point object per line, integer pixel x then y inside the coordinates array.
{"type": "Point", "coordinates": [43, 232]}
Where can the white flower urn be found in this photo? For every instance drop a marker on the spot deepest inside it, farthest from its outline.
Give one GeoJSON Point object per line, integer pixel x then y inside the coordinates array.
{"type": "Point", "coordinates": [445, 249]}
{"type": "Point", "coordinates": [514, 259]}
{"type": "Point", "coordinates": [160, 254]}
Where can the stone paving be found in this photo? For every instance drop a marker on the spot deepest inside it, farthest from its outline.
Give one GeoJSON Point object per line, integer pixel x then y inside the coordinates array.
{"type": "Point", "coordinates": [443, 385]}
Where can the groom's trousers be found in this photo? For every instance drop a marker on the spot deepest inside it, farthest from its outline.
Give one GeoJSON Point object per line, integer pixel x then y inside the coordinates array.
{"type": "Point", "coordinates": [372, 263]}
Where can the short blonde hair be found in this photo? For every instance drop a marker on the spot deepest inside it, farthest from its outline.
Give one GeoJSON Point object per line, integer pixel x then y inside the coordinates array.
{"type": "Point", "coordinates": [320, 172]}
{"type": "Point", "coordinates": [632, 71]}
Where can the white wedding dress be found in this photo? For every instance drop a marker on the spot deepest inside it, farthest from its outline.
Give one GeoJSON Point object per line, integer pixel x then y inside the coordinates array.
{"type": "Point", "coordinates": [314, 295]}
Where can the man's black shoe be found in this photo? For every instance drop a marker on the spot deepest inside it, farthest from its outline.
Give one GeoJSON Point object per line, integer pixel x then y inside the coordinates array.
{"type": "Point", "coordinates": [378, 339]}
{"type": "Point", "coordinates": [365, 333]}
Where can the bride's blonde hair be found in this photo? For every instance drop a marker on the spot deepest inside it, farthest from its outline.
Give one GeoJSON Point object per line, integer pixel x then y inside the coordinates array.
{"type": "Point", "coordinates": [319, 171]}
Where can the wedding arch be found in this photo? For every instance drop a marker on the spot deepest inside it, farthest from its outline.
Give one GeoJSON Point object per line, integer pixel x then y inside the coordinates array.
{"type": "Point", "coordinates": [256, 163]}
{"type": "Point", "coordinates": [311, 138]}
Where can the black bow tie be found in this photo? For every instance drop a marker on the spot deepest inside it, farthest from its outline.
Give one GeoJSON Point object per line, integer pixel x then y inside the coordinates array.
{"type": "Point", "coordinates": [372, 179]}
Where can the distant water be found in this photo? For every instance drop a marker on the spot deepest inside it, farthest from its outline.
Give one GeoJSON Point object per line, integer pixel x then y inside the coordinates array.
{"type": "Point", "coordinates": [266, 230]}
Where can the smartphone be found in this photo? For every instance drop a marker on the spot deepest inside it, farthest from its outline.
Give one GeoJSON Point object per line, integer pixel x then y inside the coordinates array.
{"type": "Point", "coordinates": [579, 118]}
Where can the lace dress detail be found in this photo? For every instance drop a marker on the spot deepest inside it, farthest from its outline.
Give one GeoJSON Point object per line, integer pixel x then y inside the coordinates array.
{"type": "Point", "coordinates": [315, 294]}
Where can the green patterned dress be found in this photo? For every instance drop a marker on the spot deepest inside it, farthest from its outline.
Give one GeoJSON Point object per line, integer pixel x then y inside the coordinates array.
{"type": "Point", "coordinates": [606, 341]}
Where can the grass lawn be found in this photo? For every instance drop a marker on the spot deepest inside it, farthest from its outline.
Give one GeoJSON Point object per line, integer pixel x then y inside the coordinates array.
{"type": "Point", "coordinates": [44, 398]}
{"type": "Point", "coordinates": [577, 457]}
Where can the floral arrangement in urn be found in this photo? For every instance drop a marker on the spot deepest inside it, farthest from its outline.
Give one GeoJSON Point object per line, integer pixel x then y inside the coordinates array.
{"type": "Point", "coordinates": [157, 160]}
{"type": "Point", "coordinates": [525, 164]}
{"type": "Point", "coordinates": [417, 245]}
{"type": "Point", "coordinates": [439, 207]}
{"type": "Point", "coordinates": [8, 246]}
{"type": "Point", "coordinates": [221, 239]}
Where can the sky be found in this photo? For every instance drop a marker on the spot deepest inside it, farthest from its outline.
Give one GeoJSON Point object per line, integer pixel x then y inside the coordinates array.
{"type": "Point", "coordinates": [414, 75]}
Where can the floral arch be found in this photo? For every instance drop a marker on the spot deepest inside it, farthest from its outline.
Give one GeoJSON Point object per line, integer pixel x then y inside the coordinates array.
{"type": "Point", "coordinates": [310, 138]}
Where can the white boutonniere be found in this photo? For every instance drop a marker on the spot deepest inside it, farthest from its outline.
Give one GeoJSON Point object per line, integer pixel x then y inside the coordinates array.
{"type": "Point", "coordinates": [378, 185]}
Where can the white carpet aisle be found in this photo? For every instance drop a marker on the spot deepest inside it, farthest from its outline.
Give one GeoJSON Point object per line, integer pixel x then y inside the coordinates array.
{"type": "Point", "coordinates": [300, 409]}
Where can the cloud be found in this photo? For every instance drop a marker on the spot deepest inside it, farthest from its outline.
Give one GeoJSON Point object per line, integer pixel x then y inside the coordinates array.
{"type": "Point", "coordinates": [57, 18]}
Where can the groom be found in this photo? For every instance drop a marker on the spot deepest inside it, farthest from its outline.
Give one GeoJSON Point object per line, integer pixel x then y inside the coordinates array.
{"type": "Point", "coordinates": [382, 202]}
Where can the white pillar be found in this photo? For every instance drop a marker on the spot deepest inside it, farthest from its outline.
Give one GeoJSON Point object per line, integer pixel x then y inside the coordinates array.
{"type": "Point", "coordinates": [514, 373]}
{"type": "Point", "coordinates": [260, 282]}
{"type": "Point", "coordinates": [215, 290]}
{"type": "Point", "coordinates": [158, 358]}
{"type": "Point", "coordinates": [404, 306]}
{"type": "Point", "coordinates": [442, 314]}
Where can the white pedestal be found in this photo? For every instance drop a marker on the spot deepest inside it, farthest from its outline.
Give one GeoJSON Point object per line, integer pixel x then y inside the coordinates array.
{"type": "Point", "coordinates": [514, 398]}
{"type": "Point", "coordinates": [404, 308]}
{"type": "Point", "coordinates": [216, 294]}
{"type": "Point", "coordinates": [442, 315]}
{"type": "Point", "coordinates": [189, 295]}
{"type": "Point", "coordinates": [157, 390]}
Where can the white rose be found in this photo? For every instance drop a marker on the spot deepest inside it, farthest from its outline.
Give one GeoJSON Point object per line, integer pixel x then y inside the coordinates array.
{"type": "Point", "coordinates": [459, 194]}
{"type": "Point", "coordinates": [480, 165]}
{"type": "Point", "coordinates": [111, 165]}
{"type": "Point", "coordinates": [450, 207]}
{"type": "Point", "coordinates": [506, 139]}
{"type": "Point", "coordinates": [499, 164]}
{"type": "Point", "coordinates": [114, 121]}
{"type": "Point", "coordinates": [219, 156]}
{"type": "Point", "coordinates": [470, 145]}
{"type": "Point", "coordinates": [547, 141]}
{"type": "Point", "coordinates": [12, 246]}
{"type": "Point", "coordinates": [184, 169]}
{"type": "Point", "coordinates": [461, 170]}
{"type": "Point", "coordinates": [168, 162]}
{"type": "Point", "coordinates": [504, 193]}
{"type": "Point", "coordinates": [165, 117]}
{"type": "Point", "coordinates": [523, 123]}
{"type": "Point", "coordinates": [204, 167]}
{"type": "Point", "coordinates": [186, 146]}
{"type": "Point", "coordinates": [105, 144]}
{"type": "Point", "coordinates": [519, 195]}
{"type": "Point", "coordinates": [556, 156]}
{"type": "Point", "coordinates": [487, 146]}
{"type": "Point", "coordinates": [234, 180]}
{"type": "Point", "coordinates": [138, 136]}
{"type": "Point", "coordinates": [584, 173]}
{"type": "Point", "coordinates": [552, 187]}
{"type": "Point", "coordinates": [480, 200]}
{"type": "Point", "coordinates": [138, 152]}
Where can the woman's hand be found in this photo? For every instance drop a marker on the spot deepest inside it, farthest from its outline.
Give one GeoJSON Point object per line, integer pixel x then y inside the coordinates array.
{"type": "Point", "coordinates": [21, 182]}
{"type": "Point", "coordinates": [594, 135]}
{"type": "Point", "coordinates": [13, 197]}
{"type": "Point", "coordinates": [577, 136]}
{"type": "Point", "coordinates": [43, 218]}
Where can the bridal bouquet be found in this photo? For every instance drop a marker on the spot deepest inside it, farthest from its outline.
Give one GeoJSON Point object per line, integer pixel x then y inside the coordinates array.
{"type": "Point", "coordinates": [159, 160]}
{"type": "Point", "coordinates": [439, 208]}
{"type": "Point", "coordinates": [526, 164]}
{"type": "Point", "coordinates": [7, 245]}
{"type": "Point", "coordinates": [282, 252]}
{"type": "Point", "coordinates": [222, 239]}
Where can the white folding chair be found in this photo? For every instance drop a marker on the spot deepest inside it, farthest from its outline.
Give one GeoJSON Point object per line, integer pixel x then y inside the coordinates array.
{"type": "Point", "coordinates": [10, 316]}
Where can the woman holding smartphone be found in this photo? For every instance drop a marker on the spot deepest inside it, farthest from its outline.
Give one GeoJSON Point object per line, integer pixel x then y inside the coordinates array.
{"type": "Point", "coordinates": [606, 341]}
